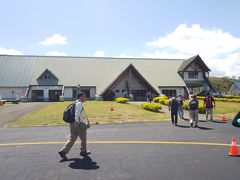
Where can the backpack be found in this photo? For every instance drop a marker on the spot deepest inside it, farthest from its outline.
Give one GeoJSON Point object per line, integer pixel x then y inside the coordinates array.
{"type": "Point", "coordinates": [208, 102]}
{"type": "Point", "coordinates": [69, 113]}
{"type": "Point", "coordinates": [174, 103]}
{"type": "Point", "coordinates": [193, 104]}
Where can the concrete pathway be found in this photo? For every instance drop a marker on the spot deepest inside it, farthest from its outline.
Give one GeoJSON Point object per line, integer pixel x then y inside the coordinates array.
{"type": "Point", "coordinates": [202, 117]}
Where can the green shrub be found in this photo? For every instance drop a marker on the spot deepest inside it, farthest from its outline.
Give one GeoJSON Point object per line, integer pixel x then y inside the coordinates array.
{"type": "Point", "coordinates": [166, 102]}
{"type": "Point", "coordinates": [201, 109]}
{"type": "Point", "coordinates": [160, 99]}
{"type": "Point", "coordinates": [151, 106]}
{"type": "Point", "coordinates": [185, 105]}
{"type": "Point", "coordinates": [121, 100]}
{"type": "Point", "coordinates": [235, 99]}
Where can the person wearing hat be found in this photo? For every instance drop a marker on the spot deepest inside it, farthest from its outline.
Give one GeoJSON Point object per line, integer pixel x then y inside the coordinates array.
{"type": "Point", "coordinates": [193, 110]}
{"type": "Point", "coordinates": [173, 107]}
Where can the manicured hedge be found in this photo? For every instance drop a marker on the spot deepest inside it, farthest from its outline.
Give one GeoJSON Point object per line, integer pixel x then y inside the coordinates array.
{"type": "Point", "coordinates": [151, 106]}
{"type": "Point", "coordinates": [160, 99]}
{"type": "Point", "coordinates": [234, 99]}
{"type": "Point", "coordinates": [121, 100]}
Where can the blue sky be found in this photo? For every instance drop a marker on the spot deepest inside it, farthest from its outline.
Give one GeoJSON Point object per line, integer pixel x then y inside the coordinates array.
{"type": "Point", "coordinates": [125, 28]}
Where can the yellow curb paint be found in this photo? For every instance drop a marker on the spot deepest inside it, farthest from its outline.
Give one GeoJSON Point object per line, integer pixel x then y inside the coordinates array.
{"type": "Point", "coordinates": [119, 142]}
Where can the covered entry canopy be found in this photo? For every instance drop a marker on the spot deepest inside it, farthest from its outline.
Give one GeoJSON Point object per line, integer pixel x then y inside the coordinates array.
{"type": "Point", "coordinates": [130, 81]}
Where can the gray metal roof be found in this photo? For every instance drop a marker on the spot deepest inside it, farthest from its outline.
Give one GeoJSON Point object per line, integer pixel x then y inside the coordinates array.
{"type": "Point", "coordinates": [87, 71]}
{"type": "Point", "coordinates": [187, 62]}
{"type": "Point", "coordinates": [16, 71]}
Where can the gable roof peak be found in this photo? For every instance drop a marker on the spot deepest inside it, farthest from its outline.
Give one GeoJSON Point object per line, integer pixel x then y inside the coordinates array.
{"type": "Point", "coordinates": [45, 71]}
{"type": "Point", "coordinates": [185, 64]}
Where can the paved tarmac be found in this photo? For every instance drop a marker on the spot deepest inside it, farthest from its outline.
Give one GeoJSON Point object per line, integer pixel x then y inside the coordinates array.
{"type": "Point", "coordinates": [15, 111]}
{"type": "Point", "coordinates": [122, 151]}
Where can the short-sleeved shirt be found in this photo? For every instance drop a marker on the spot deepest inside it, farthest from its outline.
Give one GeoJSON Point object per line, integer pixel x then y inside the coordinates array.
{"type": "Point", "coordinates": [209, 101]}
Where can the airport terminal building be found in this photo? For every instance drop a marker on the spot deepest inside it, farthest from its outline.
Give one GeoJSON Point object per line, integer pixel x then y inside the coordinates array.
{"type": "Point", "coordinates": [45, 78]}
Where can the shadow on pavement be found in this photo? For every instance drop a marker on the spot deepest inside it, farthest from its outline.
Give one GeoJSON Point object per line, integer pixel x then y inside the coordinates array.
{"type": "Point", "coordinates": [204, 128]}
{"type": "Point", "coordinates": [182, 126]}
{"type": "Point", "coordinates": [84, 163]}
{"type": "Point", "coordinates": [214, 121]}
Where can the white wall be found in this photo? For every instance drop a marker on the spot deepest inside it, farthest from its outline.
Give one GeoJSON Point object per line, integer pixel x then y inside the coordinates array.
{"type": "Point", "coordinates": [46, 94]}
{"type": "Point", "coordinates": [92, 92]}
{"type": "Point", "coordinates": [12, 93]}
{"type": "Point", "coordinates": [68, 93]}
{"type": "Point", "coordinates": [193, 67]}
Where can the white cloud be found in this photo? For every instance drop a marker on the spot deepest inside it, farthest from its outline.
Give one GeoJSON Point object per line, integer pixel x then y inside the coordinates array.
{"type": "Point", "coordinates": [99, 53]}
{"type": "Point", "coordinates": [10, 51]}
{"type": "Point", "coordinates": [56, 53]}
{"type": "Point", "coordinates": [220, 50]}
{"type": "Point", "coordinates": [56, 39]}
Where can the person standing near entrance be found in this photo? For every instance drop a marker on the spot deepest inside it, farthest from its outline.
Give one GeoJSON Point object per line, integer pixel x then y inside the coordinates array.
{"type": "Point", "coordinates": [209, 104]}
{"type": "Point", "coordinates": [193, 110]}
{"type": "Point", "coordinates": [148, 96]}
{"type": "Point", "coordinates": [75, 129]}
{"type": "Point", "coordinates": [173, 107]}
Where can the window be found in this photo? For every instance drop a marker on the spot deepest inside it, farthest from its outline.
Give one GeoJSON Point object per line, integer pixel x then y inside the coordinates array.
{"type": "Point", "coordinates": [47, 76]}
{"type": "Point", "coordinates": [169, 92]}
{"type": "Point", "coordinates": [193, 75]}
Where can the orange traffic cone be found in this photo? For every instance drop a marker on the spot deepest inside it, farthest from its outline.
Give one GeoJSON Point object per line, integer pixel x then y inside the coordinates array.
{"type": "Point", "coordinates": [234, 149]}
{"type": "Point", "coordinates": [223, 117]}
{"type": "Point", "coordinates": [111, 108]}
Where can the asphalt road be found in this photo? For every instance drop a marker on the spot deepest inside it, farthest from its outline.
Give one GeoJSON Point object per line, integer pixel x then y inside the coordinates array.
{"type": "Point", "coordinates": [123, 151]}
{"type": "Point", "coordinates": [15, 111]}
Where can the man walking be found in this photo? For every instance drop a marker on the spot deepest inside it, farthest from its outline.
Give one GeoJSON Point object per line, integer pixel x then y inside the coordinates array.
{"type": "Point", "coordinates": [148, 96]}
{"type": "Point", "coordinates": [173, 107]}
{"type": "Point", "coordinates": [209, 103]}
{"type": "Point", "coordinates": [193, 110]}
{"type": "Point", "coordinates": [180, 100]}
{"type": "Point", "coordinates": [75, 129]}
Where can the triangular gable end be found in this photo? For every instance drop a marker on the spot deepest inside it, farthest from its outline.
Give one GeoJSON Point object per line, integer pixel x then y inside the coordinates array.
{"type": "Point", "coordinates": [135, 72]}
{"type": "Point", "coordinates": [198, 60]}
{"type": "Point", "coordinates": [237, 84]}
{"type": "Point", "coordinates": [46, 74]}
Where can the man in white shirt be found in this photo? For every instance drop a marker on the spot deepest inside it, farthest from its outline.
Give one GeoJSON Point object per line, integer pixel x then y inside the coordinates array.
{"type": "Point", "coordinates": [76, 130]}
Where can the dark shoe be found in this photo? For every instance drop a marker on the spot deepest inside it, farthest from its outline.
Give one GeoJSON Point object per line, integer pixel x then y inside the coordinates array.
{"type": "Point", "coordinates": [85, 153]}
{"type": "Point", "coordinates": [62, 154]}
{"type": "Point", "coordinates": [196, 126]}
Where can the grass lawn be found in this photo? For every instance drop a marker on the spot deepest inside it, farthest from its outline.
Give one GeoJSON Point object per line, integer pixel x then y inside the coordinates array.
{"type": "Point", "coordinates": [6, 104]}
{"type": "Point", "coordinates": [228, 108]}
{"type": "Point", "coordinates": [98, 112]}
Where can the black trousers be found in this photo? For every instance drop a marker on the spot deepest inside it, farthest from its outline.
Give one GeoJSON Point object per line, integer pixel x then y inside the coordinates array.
{"type": "Point", "coordinates": [174, 117]}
